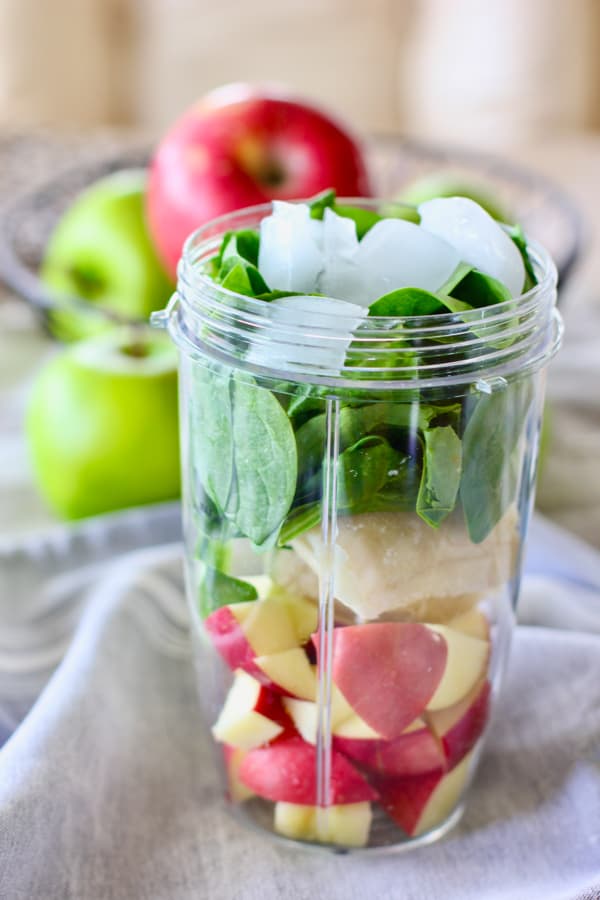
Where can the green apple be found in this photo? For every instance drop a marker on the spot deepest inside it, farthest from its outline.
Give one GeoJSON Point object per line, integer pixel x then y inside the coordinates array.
{"type": "Point", "coordinates": [102, 424]}
{"type": "Point", "coordinates": [101, 251]}
{"type": "Point", "coordinates": [448, 184]}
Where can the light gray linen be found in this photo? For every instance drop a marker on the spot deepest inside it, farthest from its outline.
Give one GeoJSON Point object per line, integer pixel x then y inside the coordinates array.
{"type": "Point", "coordinates": [106, 786]}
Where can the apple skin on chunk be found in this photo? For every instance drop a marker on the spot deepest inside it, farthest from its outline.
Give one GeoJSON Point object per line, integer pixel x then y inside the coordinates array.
{"type": "Point", "coordinates": [242, 631]}
{"type": "Point", "coordinates": [421, 802]}
{"type": "Point", "coordinates": [466, 663]}
{"type": "Point", "coordinates": [287, 771]}
{"type": "Point", "coordinates": [413, 753]}
{"type": "Point", "coordinates": [252, 715]}
{"type": "Point", "coordinates": [228, 638]}
{"type": "Point", "coordinates": [388, 671]}
{"type": "Point", "coordinates": [458, 727]}
{"type": "Point", "coordinates": [346, 825]}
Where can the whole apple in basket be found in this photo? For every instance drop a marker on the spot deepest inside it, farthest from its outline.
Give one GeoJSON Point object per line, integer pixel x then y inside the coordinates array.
{"type": "Point", "coordinates": [239, 146]}
{"type": "Point", "coordinates": [102, 424]}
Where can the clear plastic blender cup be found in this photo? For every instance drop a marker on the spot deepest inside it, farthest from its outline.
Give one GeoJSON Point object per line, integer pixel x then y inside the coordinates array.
{"type": "Point", "coordinates": [356, 499]}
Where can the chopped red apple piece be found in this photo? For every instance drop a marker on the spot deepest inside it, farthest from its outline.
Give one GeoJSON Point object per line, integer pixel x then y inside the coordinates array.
{"type": "Point", "coordinates": [458, 727]}
{"type": "Point", "coordinates": [242, 631]}
{"type": "Point", "coordinates": [346, 825]}
{"type": "Point", "coordinates": [238, 792]}
{"type": "Point", "coordinates": [343, 720]}
{"type": "Point", "coordinates": [388, 671]}
{"type": "Point", "coordinates": [251, 715]}
{"type": "Point", "coordinates": [473, 622]}
{"type": "Point", "coordinates": [414, 752]}
{"type": "Point", "coordinates": [287, 771]}
{"type": "Point", "coordinates": [228, 638]}
{"type": "Point", "coordinates": [304, 715]}
{"type": "Point", "coordinates": [421, 802]}
{"type": "Point", "coordinates": [290, 672]}
{"type": "Point", "coordinates": [303, 612]}
{"type": "Point", "coordinates": [465, 665]}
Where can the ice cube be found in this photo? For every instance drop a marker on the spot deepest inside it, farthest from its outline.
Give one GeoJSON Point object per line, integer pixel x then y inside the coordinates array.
{"type": "Point", "coordinates": [396, 254]}
{"type": "Point", "coordinates": [478, 238]}
{"type": "Point", "coordinates": [290, 256]}
{"type": "Point", "coordinates": [341, 275]}
{"type": "Point", "coordinates": [306, 333]}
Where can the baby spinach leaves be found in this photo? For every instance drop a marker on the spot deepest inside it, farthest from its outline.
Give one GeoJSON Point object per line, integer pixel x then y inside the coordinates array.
{"type": "Point", "coordinates": [440, 480]}
{"type": "Point", "coordinates": [245, 452]}
{"type": "Point", "coordinates": [218, 589]}
{"type": "Point", "coordinates": [235, 266]}
{"type": "Point", "coordinates": [494, 425]}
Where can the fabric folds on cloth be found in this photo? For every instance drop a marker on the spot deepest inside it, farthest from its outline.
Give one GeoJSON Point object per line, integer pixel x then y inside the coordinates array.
{"type": "Point", "coordinates": [107, 790]}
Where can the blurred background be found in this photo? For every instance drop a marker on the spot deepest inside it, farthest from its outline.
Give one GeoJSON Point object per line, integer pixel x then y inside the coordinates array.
{"type": "Point", "coordinates": [494, 74]}
{"type": "Point", "coordinates": [79, 77]}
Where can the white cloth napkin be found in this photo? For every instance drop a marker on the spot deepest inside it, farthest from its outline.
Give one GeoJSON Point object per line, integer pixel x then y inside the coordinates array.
{"type": "Point", "coordinates": [106, 785]}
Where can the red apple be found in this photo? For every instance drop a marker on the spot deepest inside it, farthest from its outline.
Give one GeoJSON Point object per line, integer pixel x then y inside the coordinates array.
{"type": "Point", "coordinates": [458, 727]}
{"type": "Point", "coordinates": [239, 146]}
{"type": "Point", "coordinates": [413, 753]}
{"type": "Point", "coordinates": [287, 771]}
{"type": "Point", "coordinates": [421, 802]}
{"type": "Point", "coordinates": [388, 671]}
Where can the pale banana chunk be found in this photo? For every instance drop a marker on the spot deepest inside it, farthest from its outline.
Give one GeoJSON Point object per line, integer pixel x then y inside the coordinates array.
{"type": "Point", "coordinates": [394, 562]}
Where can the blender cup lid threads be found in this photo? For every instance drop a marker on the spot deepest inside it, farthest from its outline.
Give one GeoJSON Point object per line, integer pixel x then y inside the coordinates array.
{"type": "Point", "coordinates": [335, 343]}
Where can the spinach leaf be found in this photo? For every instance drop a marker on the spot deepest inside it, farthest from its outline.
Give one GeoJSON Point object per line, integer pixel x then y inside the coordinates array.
{"type": "Point", "coordinates": [364, 219]}
{"type": "Point", "coordinates": [300, 519]}
{"type": "Point", "coordinates": [478, 290]}
{"type": "Point", "coordinates": [440, 479]}
{"type": "Point", "coordinates": [320, 203]}
{"type": "Point", "coordinates": [415, 302]}
{"type": "Point", "coordinates": [363, 469]}
{"type": "Point", "coordinates": [457, 276]}
{"type": "Point", "coordinates": [494, 425]}
{"type": "Point", "coordinates": [407, 302]}
{"type": "Point", "coordinates": [218, 589]}
{"type": "Point", "coordinates": [265, 459]}
{"type": "Point", "coordinates": [356, 423]}
{"type": "Point", "coordinates": [212, 434]}
{"type": "Point", "coordinates": [277, 295]}
{"type": "Point", "coordinates": [518, 237]}
{"type": "Point", "coordinates": [240, 276]}
{"type": "Point", "coordinates": [244, 243]}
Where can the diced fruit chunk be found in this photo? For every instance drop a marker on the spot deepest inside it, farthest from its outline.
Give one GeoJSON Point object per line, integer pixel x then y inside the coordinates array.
{"type": "Point", "coordinates": [388, 671]}
{"type": "Point", "coordinates": [473, 622]}
{"type": "Point", "coordinates": [290, 672]}
{"type": "Point", "coordinates": [343, 719]}
{"type": "Point", "coordinates": [229, 639]}
{"type": "Point", "coordinates": [458, 727]}
{"type": "Point", "coordinates": [303, 612]}
{"type": "Point", "coordinates": [412, 753]}
{"type": "Point", "coordinates": [251, 715]}
{"type": "Point", "coordinates": [465, 665]}
{"type": "Point", "coordinates": [279, 621]}
{"type": "Point", "coordinates": [346, 825]}
{"type": "Point", "coordinates": [266, 624]}
{"type": "Point", "coordinates": [287, 771]}
{"type": "Point", "coordinates": [419, 803]}
{"type": "Point", "coordinates": [238, 792]}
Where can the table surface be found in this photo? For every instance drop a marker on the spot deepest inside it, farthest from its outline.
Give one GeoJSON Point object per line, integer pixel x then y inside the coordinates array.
{"type": "Point", "coordinates": [573, 161]}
